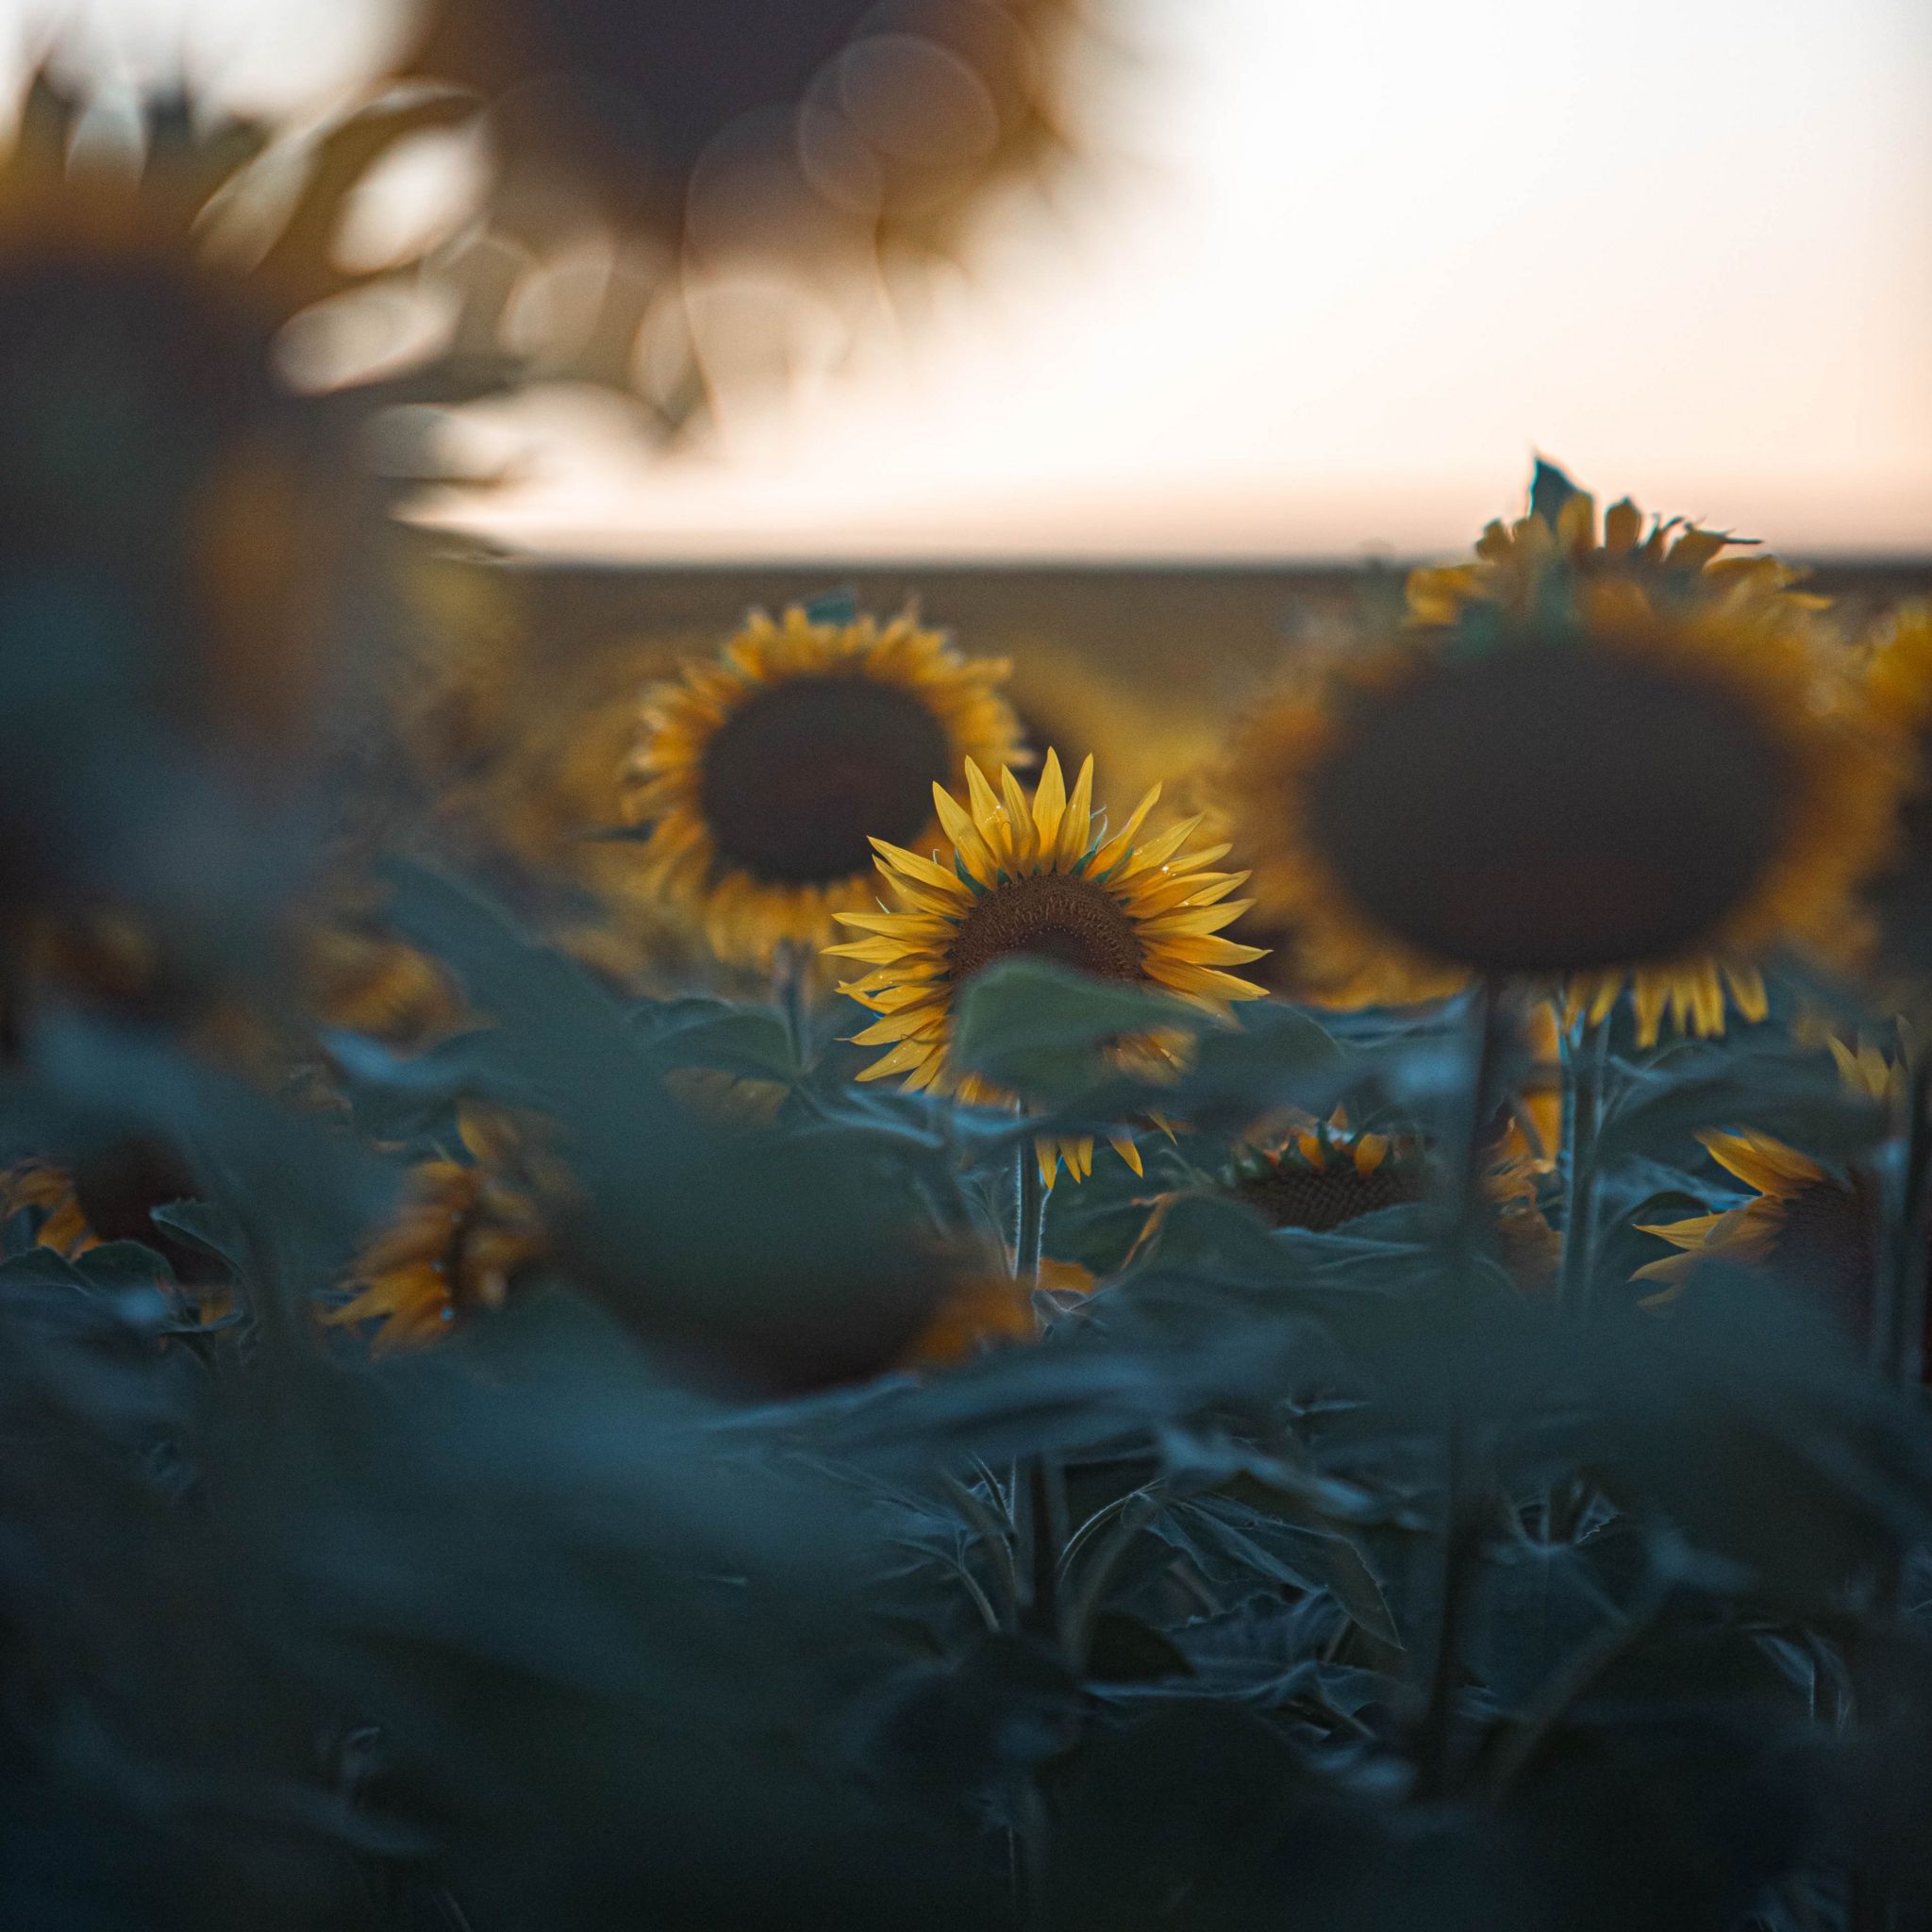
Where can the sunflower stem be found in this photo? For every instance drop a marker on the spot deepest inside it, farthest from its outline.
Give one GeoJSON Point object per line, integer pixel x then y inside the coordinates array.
{"type": "Point", "coordinates": [1488, 1024]}
{"type": "Point", "coordinates": [1586, 1059]}
{"type": "Point", "coordinates": [1463, 1511]}
{"type": "Point", "coordinates": [791, 994]}
{"type": "Point", "coordinates": [1898, 1310]}
{"type": "Point", "coordinates": [1029, 1217]}
{"type": "Point", "coordinates": [1039, 1486]}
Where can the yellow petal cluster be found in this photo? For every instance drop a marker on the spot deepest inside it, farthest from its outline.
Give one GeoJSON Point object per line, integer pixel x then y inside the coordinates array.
{"type": "Point", "coordinates": [1160, 895]}
{"type": "Point", "coordinates": [463, 1231]}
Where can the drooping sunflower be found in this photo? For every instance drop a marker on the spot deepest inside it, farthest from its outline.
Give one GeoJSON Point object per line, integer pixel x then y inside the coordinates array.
{"type": "Point", "coordinates": [109, 1194]}
{"type": "Point", "coordinates": [1038, 877]}
{"type": "Point", "coordinates": [765, 775]}
{"type": "Point", "coordinates": [1594, 785]}
{"type": "Point", "coordinates": [463, 1232]}
{"type": "Point", "coordinates": [1813, 1228]}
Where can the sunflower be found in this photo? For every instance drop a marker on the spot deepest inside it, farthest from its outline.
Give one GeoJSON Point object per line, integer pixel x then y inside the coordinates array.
{"type": "Point", "coordinates": [990, 1309]}
{"type": "Point", "coordinates": [763, 776]}
{"type": "Point", "coordinates": [1602, 787]}
{"type": "Point", "coordinates": [464, 1231]}
{"type": "Point", "coordinates": [360, 979]}
{"type": "Point", "coordinates": [1667, 562]}
{"type": "Point", "coordinates": [1324, 1177]}
{"type": "Point", "coordinates": [1038, 877]}
{"type": "Point", "coordinates": [109, 1194]}
{"type": "Point", "coordinates": [896, 120]}
{"type": "Point", "coordinates": [1816, 1229]}
{"type": "Point", "coordinates": [1321, 1176]}
{"type": "Point", "coordinates": [175, 516]}
{"type": "Point", "coordinates": [1898, 697]}
{"type": "Point", "coordinates": [47, 1189]}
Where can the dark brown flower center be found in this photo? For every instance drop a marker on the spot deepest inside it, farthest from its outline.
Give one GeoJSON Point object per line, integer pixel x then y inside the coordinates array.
{"type": "Point", "coordinates": [802, 775]}
{"type": "Point", "coordinates": [1553, 808]}
{"type": "Point", "coordinates": [1321, 1198]}
{"type": "Point", "coordinates": [670, 79]}
{"type": "Point", "coordinates": [1050, 916]}
{"type": "Point", "coordinates": [117, 1188]}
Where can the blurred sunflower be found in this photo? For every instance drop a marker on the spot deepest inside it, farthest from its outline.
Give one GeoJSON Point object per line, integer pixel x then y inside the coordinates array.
{"type": "Point", "coordinates": [901, 118]}
{"type": "Point", "coordinates": [1038, 877]}
{"type": "Point", "coordinates": [1814, 1228]}
{"type": "Point", "coordinates": [990, 1309]}
{"type": "Point", "coordinates": [1665, 561]}
{"type": "Point", "coordinates": [154, 459]}
{"type": "Point", "coordinates": [356, 977]}
{"type": "Point", "coordinates": [1898, 694]}
{"type": "Point", "coordinates": [1322, 1177]}
{"type": "Point", "coordinates": [463, 1232]}
{"type": "Point", "coordinates": [762, 776]}
{"type": "Point", "coordinates": [1319, 1175]}
{"type": "Point", "coordinates": [109, 1194]}
{"type": "Point", "coordinates": [1609, 788]}
{"type": "Point", "coordinates": [47, 1189]}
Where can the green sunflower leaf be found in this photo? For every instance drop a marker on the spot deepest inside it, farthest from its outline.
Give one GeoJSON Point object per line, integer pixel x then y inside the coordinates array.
{"type": "Point", "coordinates": [1040, 1029]}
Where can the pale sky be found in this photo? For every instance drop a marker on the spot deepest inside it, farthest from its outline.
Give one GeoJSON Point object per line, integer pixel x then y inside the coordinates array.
{"type": "Point", "coordinates": [1340, 270]}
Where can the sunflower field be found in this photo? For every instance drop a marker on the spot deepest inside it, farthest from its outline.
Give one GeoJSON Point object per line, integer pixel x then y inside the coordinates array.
{"type": "Point", "coordinates": [804, 1268]}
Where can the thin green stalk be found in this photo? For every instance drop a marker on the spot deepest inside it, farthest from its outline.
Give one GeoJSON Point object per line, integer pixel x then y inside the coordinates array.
{"type": "Point", "coordinates": [1586, 1060]}
{"type": "Point", "coordinates": [1029, 1217]}
{"type": "Point", "coordinates": [1469, 1208]}
{"type": "Point", "coordinates": [1463, 1529]}
{"type": "Point", "coordinates": [1898, 1309]}
{"type": "Point", "coordinates": [1040, 1489]}
{"type": "Point", "coordinates": [1462, 1506]}
{"type": "Point", "coordinates": [791, 994]}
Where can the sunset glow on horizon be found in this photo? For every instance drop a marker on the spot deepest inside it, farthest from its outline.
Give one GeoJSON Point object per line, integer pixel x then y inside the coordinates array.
{"type": "Point", "coordinates": [1338, 273]}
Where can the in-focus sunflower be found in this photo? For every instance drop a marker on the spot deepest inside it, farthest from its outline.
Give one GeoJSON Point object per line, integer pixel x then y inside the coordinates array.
{"type": "Point", "coordinates": [1603, 786]}
{"type": "Point", "coordinates": [1815, 1229]}
{"type": "Point", "coordinates": [765, 775]}
{"type": "Point", "coordinates": [464, 1231]}
{"type": "Point", "coordinates": [1038, 877]}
